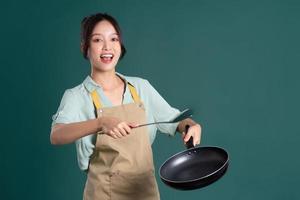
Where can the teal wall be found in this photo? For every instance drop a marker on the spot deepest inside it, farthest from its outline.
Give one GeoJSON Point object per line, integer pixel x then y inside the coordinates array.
{"type": "Point", "coordinates": [235, 62]}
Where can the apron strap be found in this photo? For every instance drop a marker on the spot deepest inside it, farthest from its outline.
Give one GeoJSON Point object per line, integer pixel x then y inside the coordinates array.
{"type": "Point", "coordinates": [96, 99]}
{"type": "Point", "coordinates": [97, 102]}
{"type": "Point", "coordinates": [134, 94]}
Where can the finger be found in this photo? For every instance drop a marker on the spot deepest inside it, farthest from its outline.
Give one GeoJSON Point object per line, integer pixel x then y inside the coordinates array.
{"type": "Point", "coordinates": [112, 134]}
{"type": "Point", "coordinates": [198, 136]}
{"type": "Point", "coordinates": [188, 136]}
{"type": "Point", "coordinates": [122, 131]}
{"type": "Point", "coordinates": [127, 129]}
{"type": "Point", "coordinates": [117, 132]}
{"type": "Point", "coordinates": [195, 141]}
{"type": "Point", "coordinates": [195, 137]}
{"type": "Point", "coordinates": [133, 125]}
{"type": "Point", "coordinates": [121, 128]}
{"type": "Point", "coordinates": [183, 135]}
{"type": "Point", "coordinates": [200, 133]}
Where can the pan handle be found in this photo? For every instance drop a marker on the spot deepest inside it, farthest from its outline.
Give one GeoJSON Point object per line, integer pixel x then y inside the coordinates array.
{"type": "Point", "coordinates": [189, 144]}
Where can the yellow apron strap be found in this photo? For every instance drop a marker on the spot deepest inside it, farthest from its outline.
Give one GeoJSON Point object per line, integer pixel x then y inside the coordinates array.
{"type": "Point", "coordinates": [96, 99]}
{"type": "Point", "coordinates": [134, 94]}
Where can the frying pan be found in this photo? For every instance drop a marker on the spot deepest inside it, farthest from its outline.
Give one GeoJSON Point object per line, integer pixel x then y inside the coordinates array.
{"type": "Point", "coordinates": [195, 167]}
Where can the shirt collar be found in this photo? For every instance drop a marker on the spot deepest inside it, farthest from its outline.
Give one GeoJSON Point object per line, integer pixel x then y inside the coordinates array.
{"type": "Point", "coordinates": [91, 85]}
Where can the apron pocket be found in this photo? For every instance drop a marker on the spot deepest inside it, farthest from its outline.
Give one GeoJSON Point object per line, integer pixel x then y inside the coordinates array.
{"type": "Point", "coordinates": [128, 186]}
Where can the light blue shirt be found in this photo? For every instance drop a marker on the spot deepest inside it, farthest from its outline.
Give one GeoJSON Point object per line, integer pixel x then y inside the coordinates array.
{"type": "Point", "coordinates": [76, 106]}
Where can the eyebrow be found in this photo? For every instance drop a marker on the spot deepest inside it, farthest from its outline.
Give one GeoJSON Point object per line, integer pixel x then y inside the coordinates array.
{"type": "Point", "coordinates": [102, 35]}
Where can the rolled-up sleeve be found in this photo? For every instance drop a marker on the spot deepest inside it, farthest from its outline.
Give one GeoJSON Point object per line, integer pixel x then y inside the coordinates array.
{"type": "Point", "coordinates": [68, 109]}
{"type": "Point", "coordinates": [161, 110]}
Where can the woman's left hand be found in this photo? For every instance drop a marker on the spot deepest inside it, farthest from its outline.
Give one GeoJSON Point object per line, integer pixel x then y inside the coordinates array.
{"type": "Point", "coordinates": [195, 132]}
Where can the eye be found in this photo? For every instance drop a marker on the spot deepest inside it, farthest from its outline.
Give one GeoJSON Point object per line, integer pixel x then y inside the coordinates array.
{"type": "Point", "coordinates": [97, 40]}
{"type": "Point", "coordinates": [115, 39]}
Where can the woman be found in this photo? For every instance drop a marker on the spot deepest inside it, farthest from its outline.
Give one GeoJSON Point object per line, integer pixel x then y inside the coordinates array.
{"type": "Point", "coordinates": [101, 116]}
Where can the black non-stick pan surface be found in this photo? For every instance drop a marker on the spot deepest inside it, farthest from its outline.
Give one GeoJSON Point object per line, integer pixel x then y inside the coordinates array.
{"type": "Point", "coordinates": [194, 168]}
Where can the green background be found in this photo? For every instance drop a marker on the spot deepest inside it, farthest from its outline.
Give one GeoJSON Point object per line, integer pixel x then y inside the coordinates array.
{"type": "Point", "coordinates": [236, 63]}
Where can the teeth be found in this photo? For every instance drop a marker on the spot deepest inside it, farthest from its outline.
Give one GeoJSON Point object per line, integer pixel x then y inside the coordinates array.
{"type": "Point", "coordinates": [106, 56]}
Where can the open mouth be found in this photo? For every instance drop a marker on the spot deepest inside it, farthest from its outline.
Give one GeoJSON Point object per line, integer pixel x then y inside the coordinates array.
{"type": "Point", "coordinates": [106, 58]}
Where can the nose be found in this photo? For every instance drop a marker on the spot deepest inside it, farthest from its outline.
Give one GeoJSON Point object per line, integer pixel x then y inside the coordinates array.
{"type": "Point", "coordinates": [106, 45]}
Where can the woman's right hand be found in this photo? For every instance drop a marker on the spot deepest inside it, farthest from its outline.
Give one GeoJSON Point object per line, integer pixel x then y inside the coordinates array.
{"type": "Point", "coordinates": [114, 127]}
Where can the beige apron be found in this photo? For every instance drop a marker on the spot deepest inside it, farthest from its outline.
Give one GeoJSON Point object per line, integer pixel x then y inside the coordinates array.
{"type": "Point", "coordinates": [122, 169]}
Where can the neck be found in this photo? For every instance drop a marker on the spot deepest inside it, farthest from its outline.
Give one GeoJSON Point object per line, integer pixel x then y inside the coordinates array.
{"type": "Point", "coordinates": [106, 79]}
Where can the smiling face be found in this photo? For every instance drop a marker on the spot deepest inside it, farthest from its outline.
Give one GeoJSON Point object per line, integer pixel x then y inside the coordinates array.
{"type": "Point", "coordinates": [105, 48]}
